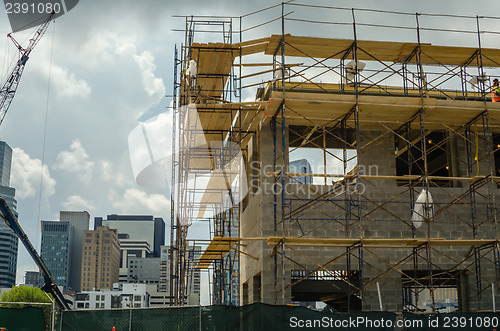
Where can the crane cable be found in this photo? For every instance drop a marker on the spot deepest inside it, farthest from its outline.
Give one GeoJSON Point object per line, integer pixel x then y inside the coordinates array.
{"type": "Point", "coordinates": [45, 130]}
{"type": "Point", "coordinates": [6, 53]}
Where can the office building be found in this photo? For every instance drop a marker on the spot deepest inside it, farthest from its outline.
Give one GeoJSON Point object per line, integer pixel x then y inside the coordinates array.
{"type": "Point", "coordinates": [146, 228]}
{"type": "Point", "coordinates": [8, 239]}
{"type": "Point", "coordinates": [101, 259]}
{"type": "Point", "coordinates": [301, 166]}
{"type": "Point", "coordinates": [120, 296]}
{"type": "Point", "coordinates": [32, 278]}
{"type": "Point", "coordinates": [131, 248]}
{"type": "Point", "coordinates": [8, 256]}
{"type": "Point", "coordinates": [143, 270]}
{"type": "Point", "coordinates": [158, 299]}
{"type": "Point", "coordinates": [56, 250]}
{"type": "Point", "coordinates": [5, 163]}
{"type": "Point", "coordinates": [193, 277]}
{"type": "Point", "coordinates": [79, 221]}
{"type": "Point", "coordinates": [164, 285]}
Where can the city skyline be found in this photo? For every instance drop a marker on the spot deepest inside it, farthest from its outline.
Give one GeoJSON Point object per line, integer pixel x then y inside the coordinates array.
{"type": "Point", "coordinates": [68, 271]}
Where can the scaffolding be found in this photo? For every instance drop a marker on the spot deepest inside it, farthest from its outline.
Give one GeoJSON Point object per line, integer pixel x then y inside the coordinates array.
{"type": "Point", "coordinates": [205, 155]}
{"type": "Point", "coordinates": [417, 114]}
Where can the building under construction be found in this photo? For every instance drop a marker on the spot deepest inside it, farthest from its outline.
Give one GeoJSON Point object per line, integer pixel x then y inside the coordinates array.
{"type": "Point", "coordinates": [338, 158]}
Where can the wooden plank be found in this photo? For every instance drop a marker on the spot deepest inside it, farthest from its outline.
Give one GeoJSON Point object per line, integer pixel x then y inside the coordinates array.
{"type": "Point", "coordinates": [252, 42]}
{"type": "Point", "coordinates": [248, 50]}
{"type": "Point", "coordinates": [213, 59]}
{"type": "Point", "coordinates": [232, 105]}
{"type": "Point", "coordinates": [321, 108]}
{"type": "Point", "coordinates": [382, 50]}
{"type": "Point", "coordinates": [217, 248]}
{"type": "Point", "coordinates": [408, 242]}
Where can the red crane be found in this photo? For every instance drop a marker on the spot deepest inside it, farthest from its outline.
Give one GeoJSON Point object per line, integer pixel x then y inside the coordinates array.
{"type": "Point", "coordinates": [10, 85]}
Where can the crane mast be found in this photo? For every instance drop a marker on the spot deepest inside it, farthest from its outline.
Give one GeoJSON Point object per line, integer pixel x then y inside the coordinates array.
{"type": "Point", "coordinates": [9, 87]}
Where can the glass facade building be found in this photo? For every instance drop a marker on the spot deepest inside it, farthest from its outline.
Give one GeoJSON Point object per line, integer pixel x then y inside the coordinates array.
{"type": "Point", "coordinates": [8, 239]}
{"type": "Point", "coordinates": [79, 221]}
{"type": "Point", "coordinates": [55, 251]}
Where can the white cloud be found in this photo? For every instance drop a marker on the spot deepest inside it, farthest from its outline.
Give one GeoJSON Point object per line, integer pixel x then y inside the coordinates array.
{"type": "Point", "coordinates": [135, 201]}
{"type": "Point", "coordinates": [98, 50]}
{"type": "Point", "coordinates": [125, 47]}
{"type": "Point", "coordinates": [152, 84]}
{"type": "Point", "coordinates": [67, 85]}
{"type": "Point", "coordinates": [25, 176]}
{"type": "Point", "coordinates": [64, 83]}
{"type": "Point", "coordinates": [106, 170]}
{"type": "Point", "coordinates": [76, 202]}
{"type": "Point", "coordinates": [114, 174]}
{"type": "Point", "coordinates": [76, 161]}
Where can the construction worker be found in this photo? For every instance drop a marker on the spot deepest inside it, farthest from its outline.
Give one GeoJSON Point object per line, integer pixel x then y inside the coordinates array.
{"type": "Point", "coordinates": [495, 91]}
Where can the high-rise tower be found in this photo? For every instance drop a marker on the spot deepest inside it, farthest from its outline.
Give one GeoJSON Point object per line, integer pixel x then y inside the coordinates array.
{"type": "Point", "coordinates": [8, 239]}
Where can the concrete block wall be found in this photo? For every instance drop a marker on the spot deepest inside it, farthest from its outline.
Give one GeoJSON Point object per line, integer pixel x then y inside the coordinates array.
{"type": "Point", "coordinates": [385, 213]}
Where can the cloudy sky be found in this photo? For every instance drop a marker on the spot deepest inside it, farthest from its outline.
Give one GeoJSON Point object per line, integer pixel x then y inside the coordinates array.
{"type": "Point", "coordinates": [110, 66]}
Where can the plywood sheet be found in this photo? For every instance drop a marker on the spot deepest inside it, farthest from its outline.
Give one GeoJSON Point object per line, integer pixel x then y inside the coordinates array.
{"type": "Point", "coordinates": [379, 50]}
{"type": "Point", "coordinates": [214, 62]}
{"type": "Point", "coordinates": [408, 242]}
{"type": "Point", "coordinates": [379, 111]}
{"type": "Point", "coordinates": [217, 248]}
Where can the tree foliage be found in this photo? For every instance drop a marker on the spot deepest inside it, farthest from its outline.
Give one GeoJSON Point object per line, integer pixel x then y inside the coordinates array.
{"type": "Point", "coordinates": [25, 294]}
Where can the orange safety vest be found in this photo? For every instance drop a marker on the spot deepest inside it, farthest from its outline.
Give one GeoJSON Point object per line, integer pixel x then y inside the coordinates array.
{"type": "Point", "coordinates": [494, 96]}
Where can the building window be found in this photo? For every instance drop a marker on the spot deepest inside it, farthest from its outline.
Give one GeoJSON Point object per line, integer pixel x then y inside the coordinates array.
{"type": "Point", "coordinates": [316, 152]}
{"type": "Point", "coordinates": [441, 156]}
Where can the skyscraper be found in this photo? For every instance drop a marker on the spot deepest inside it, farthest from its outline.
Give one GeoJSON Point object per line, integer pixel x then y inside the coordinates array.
{"type": "Point", "coordinates": [101, 259]}
{"type": "Point", "coordinates": [5, 163]}
{"type": "Point", "coordinates": [146, 228]}
{"type": "Point", "coordinates": [8, 255]}
{"type": "Point", "coordinates": [56, 250]}
{"type": "Point", "coordinates": [79, 221]}
{"type": "Point", "coordinates": [8, 239]}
